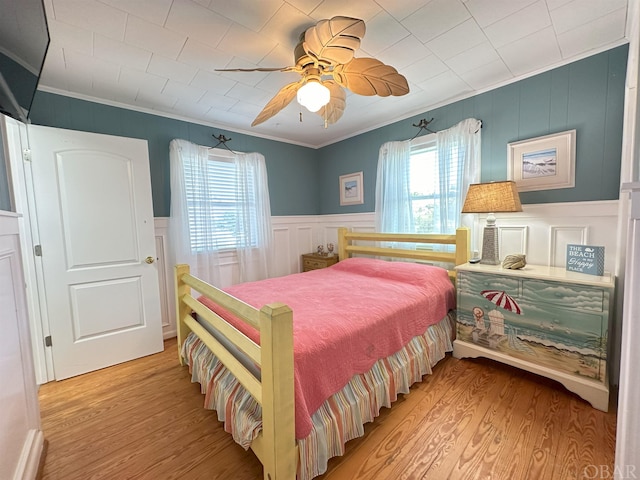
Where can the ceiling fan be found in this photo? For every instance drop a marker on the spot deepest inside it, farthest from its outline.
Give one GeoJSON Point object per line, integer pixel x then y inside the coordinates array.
{"type": "Point", "coordinates": [325, 59]}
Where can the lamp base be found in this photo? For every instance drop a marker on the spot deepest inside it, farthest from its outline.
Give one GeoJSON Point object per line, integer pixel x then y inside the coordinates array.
{"type": "Point", "coordinates": [490, 246]}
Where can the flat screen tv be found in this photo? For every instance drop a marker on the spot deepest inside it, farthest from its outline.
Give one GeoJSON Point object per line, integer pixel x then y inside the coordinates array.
{"type": "Point", "coordinates": [24, 40]}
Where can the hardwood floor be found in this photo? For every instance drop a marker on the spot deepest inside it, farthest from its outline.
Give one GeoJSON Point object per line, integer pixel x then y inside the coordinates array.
{"type": "Point", "coordinates": [471, 419]}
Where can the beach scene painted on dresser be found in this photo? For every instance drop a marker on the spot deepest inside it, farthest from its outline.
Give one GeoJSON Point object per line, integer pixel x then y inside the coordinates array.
{"type": "Point", "coordinates": [550, 323]}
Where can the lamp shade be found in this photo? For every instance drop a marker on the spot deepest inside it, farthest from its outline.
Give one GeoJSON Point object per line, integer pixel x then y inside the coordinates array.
{"type": "Point", "coordinates": [492, 197]}
{"type": "Point", "coordinates": [313, 95]}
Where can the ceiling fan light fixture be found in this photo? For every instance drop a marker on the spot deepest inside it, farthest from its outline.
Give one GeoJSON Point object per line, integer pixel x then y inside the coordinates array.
{"type": "Point", "coordinates": [313, 95]}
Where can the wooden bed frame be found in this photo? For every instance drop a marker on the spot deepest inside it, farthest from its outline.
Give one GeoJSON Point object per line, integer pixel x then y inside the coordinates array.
{"type": "Point", "coordinates": [276, 445]}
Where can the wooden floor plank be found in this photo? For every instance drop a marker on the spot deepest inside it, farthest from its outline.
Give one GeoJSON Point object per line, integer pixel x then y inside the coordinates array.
{"type": "Point", "coordinates": [546, 445]}
{"type": "Point", "coordinates": [470, 419]}
{"type": "Point", "coordinates": [483, 446]}
{"type": "Point", "coordinates": [584, 433]}
{"type": "Point", "coordinates": [381, 444]}
{"type": "Point", "coordinates": [436, 438]}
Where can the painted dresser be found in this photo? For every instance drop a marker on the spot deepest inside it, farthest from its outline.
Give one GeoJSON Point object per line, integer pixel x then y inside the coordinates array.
{"type": "Point", "coordinates": [545, 320]}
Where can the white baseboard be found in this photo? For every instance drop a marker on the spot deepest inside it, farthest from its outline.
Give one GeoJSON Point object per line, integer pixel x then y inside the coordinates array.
{"type": "Point", "coordinates": [29, 461]}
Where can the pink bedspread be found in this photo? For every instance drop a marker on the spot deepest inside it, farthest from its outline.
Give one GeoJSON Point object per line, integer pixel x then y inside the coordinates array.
{"type": "Point", "coordinates": [346, 317]}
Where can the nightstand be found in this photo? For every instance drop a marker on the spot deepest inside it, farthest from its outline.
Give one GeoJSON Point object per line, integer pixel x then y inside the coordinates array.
{"type": "Point", "coordinates": [313, 261]}
{"type": "Point", "coordinates": [545, 320]}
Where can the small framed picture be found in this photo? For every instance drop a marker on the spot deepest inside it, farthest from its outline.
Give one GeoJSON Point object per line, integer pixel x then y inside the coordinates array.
{"type": "Point", "coordinates": [543, 163]}
{"type": "Point", "coordinates": [351, 189]}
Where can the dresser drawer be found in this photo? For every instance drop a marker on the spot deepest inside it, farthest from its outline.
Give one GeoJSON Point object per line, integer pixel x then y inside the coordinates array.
{"type": "Point", "coordinates": [312, 261]}
{"type": "Point", "coordinates": [312, 264]}
{"type": "Point", "coordinates": [477, 282]}
{"type": "Point", "coordinates": [574, 296]}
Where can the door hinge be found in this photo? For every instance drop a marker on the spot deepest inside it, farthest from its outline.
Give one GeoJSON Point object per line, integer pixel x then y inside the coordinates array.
{"type": "Point", "coordinates": [37, 250]}
{"type": "Point", "coordinates": [47, 341]}
{"type": "Point", "coordinates": [26, 155]}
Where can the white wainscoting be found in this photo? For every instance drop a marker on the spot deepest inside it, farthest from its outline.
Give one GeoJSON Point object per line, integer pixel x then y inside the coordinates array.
{"type": "Point", "coordinates": [295, 236]}
{"type": "Point", "coordinates": [21, 437]}
{"type": "Point", "coordinates": [541, 232]}
{"type": "Point", "coordinates": [165, 278]}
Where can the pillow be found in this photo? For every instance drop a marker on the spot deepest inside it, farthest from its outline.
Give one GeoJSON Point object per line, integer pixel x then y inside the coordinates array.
{"type": "Point", "coordinates": [406, 272]}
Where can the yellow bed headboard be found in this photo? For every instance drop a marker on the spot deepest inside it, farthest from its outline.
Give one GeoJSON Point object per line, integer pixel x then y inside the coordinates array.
{"type": "Point", "coordinates": [461, 240]}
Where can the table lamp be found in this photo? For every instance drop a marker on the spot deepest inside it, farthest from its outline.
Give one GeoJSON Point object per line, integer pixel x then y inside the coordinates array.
{"type": "Point", "coordinates": [492, 197]}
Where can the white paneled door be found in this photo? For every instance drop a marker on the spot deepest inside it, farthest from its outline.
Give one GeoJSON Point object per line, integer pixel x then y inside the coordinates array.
{"type": "Point", "coordinates": [95, 220]}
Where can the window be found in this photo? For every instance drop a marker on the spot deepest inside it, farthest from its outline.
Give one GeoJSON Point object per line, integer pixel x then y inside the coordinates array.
{"type": "Point", "coordinates": [421, 182]}
{"type": "Point", "coordinates": [423, 165]}
{"type": "Point", "coordinates": [219, 203]}
{"type": "Point", "coordinates": [213, 196]}
{"type": "Point", "coordinates": [434, 188]}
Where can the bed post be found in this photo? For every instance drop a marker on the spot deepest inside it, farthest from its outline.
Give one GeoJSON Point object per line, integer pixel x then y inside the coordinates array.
{"type": "Point", "coordinates": [182, 309]}
{"type": "Point", "coordinates": [278, 395]}
{"type": "Point", "coordinates": [463, 245]}
{"type": "Point", "coordinates": [342, 243]}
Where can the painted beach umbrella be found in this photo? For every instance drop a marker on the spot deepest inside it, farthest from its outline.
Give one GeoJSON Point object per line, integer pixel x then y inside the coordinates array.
{"type": "Point", "coordinates": [502, 299]}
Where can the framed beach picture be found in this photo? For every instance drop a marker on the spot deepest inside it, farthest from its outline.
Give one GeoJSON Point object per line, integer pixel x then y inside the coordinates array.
{"type": "Point", "coordinates": [543, 163]}
{"type": "Point", "coordinates": [351, 189]}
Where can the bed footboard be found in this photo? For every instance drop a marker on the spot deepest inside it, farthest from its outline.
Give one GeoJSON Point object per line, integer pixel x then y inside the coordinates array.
{"type": "Point", "coordinates": [276, 446]}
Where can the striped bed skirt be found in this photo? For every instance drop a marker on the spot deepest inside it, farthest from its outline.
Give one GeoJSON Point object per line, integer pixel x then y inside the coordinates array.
{"type": "Point", "coordinates": [342, 416]}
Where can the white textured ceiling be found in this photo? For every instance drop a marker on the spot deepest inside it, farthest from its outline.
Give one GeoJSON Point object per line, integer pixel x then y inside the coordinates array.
{"type": "Point", "coordinates": [160, 56]}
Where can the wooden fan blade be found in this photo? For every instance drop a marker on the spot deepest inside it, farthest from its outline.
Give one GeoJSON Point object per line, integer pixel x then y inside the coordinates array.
{"type": "Point", "coordinates": [335, 108]}
{"type": "Point", "coordinates": [260, 69]}
{"type": "Point", "coordinates": [334, 41]}
{"type": "Point", "coordinates": [277, 103]}
{"type": "Point", "coordinates": [368, 76]}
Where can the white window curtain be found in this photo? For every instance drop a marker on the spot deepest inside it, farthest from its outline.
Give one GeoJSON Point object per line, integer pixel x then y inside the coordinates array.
{"type": "Point", "coordinates": [219, 208]}
{"type": "Point", "coordinates": [393, 194]}
{"type": "Point", "coordinates": [459, 148]}
{"type": "Point", "coordinates": [459, 151]}
{"type": "Point", "coordinates": [255, 212]}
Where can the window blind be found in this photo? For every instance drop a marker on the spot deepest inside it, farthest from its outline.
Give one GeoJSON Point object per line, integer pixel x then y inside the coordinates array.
{"type": "Point", "coordinates": [214, 197]}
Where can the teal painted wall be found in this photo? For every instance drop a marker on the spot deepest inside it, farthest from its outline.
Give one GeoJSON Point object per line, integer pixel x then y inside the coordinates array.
{"type": "Point", "coordinates": [587, 95]}
{"type": "Point", "coordinates": [290, 168]}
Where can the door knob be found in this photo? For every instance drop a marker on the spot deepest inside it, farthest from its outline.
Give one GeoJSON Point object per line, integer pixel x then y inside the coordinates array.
{"type": "Point", "coordinates": [149, 260]}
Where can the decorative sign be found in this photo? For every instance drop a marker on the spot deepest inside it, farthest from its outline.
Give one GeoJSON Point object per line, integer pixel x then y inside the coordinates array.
{"type": "Point", "coordinates": [585, 259]}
